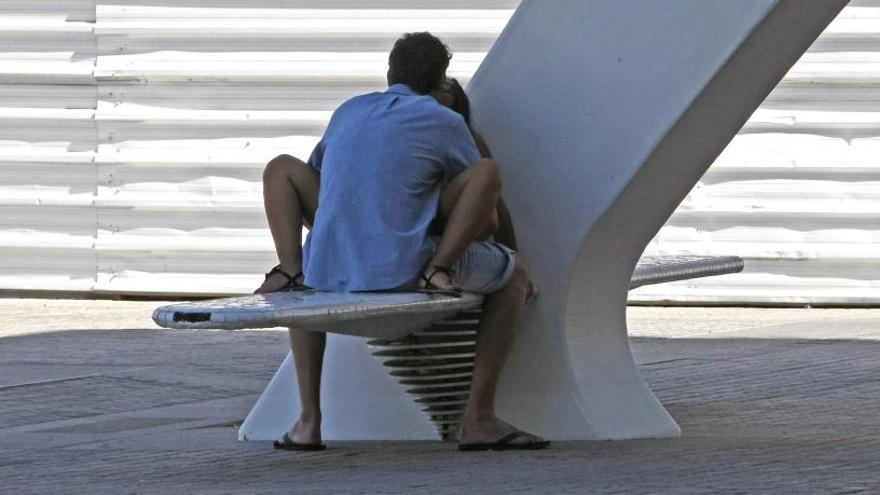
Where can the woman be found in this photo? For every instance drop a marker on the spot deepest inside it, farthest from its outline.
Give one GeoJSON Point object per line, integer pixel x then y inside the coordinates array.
{"type": "Point", "coordinates": [453, 96]}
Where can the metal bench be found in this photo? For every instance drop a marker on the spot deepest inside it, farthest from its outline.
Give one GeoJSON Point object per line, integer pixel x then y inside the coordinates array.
{"type": "Point", "coordinates": [387, 315]}
{"type": "Point", "coordinates": [425, 341]}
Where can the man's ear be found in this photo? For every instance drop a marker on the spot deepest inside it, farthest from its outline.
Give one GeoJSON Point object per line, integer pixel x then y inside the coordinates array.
{"type": "Point", "coordinates": [388, 76]}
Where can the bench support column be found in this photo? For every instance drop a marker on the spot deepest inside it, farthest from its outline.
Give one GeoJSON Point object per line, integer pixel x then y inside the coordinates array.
{"type": "Point", "coordinates": [603, 115]}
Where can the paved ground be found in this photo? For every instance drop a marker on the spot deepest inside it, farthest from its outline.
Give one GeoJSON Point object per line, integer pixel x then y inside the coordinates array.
{"type": "Point", "coordinates": [95, 399]}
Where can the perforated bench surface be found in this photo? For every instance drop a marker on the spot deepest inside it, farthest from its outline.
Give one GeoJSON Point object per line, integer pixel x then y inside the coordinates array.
{"type": "Point", "coordinates": [368, 314]}
{"type": "Point", "coordinates": [660, 269]}
{"type": "Point", "coordinates": [386, 315]}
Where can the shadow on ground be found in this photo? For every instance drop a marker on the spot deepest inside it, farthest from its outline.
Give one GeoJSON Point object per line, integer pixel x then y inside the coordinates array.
{"type": "Point", "coordinates": [154, 411]}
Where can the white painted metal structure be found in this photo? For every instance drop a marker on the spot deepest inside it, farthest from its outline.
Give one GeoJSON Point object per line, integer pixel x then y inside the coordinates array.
{"type": "Point", "coordinates": [797, 192]}
{"type": "Point", "coordinates": [425, 341]}
{"type": "Point", "coordinates": [599, 163]}
{"type": "Point", "coordinates": [133, 132]}
{"type": "Point", "coordinates": [595, 167]}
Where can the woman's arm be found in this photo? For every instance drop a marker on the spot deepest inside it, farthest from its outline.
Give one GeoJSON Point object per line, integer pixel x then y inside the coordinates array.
{"type": "Point", "coordinates": [482, 145]}
{"type": "Point", "coordinates": [505, 233]}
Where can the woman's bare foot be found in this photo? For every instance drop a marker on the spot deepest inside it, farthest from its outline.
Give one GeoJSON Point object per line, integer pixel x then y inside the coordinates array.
{"type": "Point", "coordinates": [490, 430]}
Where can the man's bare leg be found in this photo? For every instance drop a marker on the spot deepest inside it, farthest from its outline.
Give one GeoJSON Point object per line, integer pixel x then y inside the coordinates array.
{"type": "Point", "coordinates": [290, 196]}
{"type": "Point", "coordinates": [308, 356]}
{"type": "Point", "coordinates": [471, 199]}
{"type": "Point", "coordinates": [502, 312]}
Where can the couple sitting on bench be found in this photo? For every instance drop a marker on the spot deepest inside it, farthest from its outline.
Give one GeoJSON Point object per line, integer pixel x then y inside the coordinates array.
{"type": "Point", "coordinates": [408, 196]}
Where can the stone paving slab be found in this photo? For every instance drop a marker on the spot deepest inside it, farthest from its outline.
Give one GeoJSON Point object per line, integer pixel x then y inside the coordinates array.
{"type": "Point", "coordinates": [769, 400]}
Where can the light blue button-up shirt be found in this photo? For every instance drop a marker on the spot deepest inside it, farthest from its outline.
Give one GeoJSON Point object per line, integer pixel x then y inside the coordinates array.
{"type": "Point", "coordinates": [382, 161]}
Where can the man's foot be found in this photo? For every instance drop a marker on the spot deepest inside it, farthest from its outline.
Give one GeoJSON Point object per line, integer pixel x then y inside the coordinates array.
{"type": "Point", "coordinates": [495, 434]}
{"type": "Point", "coordinates": [305, 434]}
{"type": "Point", "coordinates": [287, 444]}
{"type": "Point", "coordinates": [280, 280]}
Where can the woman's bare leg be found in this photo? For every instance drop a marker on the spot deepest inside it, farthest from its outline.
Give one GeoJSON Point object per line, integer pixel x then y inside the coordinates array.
{"type": "Point", "coordinates": [468, 205]}
{"type": "Point", "coordinates": [290, 195]}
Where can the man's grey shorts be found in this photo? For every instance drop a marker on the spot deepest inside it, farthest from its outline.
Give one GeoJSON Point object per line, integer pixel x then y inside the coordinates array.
{"type": "Point", "coordinates": [485, 267]}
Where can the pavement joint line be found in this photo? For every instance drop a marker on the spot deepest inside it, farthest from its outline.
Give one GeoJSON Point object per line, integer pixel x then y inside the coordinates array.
{"type": "Point", "coordinates": [46, 382]}
{"type": "Point", "coordinates": [37, 427]}
{"type": "Point", "coordinates": [121, 435]}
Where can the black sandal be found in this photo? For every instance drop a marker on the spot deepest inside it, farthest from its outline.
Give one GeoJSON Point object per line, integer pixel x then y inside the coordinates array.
{"type": "Point", "coordinates": [430, 288]}
{"type": "Point", "coordinates": [506, 443]}
{"type": "Point", "coordinates": [287, 444]}
{"type": "Point", "coordinates": [292, 283]}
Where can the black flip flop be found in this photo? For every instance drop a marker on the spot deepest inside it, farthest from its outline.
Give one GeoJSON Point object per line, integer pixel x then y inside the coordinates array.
{"type": "Point", "coordinates": [504, 443]}
{"type": "Point", "coordinates": [287, 444]}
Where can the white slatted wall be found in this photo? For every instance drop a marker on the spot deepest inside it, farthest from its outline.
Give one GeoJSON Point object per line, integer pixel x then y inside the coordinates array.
{"type": "Point", "coordinates": [134, 134]}
{"type": "Point", "coordinates": [47, 145]}
{"type": "Point", "coordinates": [797, 192]}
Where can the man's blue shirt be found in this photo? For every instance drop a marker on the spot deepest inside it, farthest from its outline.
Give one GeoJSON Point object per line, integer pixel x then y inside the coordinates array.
{"type": "Point", "coordinates": [382, 161]}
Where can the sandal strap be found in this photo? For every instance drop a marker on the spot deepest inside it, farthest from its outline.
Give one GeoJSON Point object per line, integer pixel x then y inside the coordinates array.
{"type": "Point", "coordinates": [435, 270]}
{"type": "Point", "coordinates": [277, 269]}
{"type": "Point", "coordinates": [506, 439]}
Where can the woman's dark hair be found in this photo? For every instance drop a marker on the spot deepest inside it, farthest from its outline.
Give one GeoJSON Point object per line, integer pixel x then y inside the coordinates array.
{"type": "Point", "coordinates": [418, 60]}
{"type": "Point", "coordinates": [460, 101]}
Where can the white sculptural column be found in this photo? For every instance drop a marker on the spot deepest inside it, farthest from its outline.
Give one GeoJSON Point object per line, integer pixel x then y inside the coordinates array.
{"type": "Point", "coordinates": [603, 115]}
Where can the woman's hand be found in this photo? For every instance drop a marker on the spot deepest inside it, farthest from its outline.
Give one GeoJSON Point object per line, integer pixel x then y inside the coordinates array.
{"type": "Point", "coordinates": [532, 292]}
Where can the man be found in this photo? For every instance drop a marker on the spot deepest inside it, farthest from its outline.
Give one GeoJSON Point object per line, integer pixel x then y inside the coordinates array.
{"type": "Point", "coordinates": [382, 163]}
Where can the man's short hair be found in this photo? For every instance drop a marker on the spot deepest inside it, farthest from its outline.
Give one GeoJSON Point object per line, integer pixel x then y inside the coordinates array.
{"type": "Point", "coordinates": [418, 60]}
